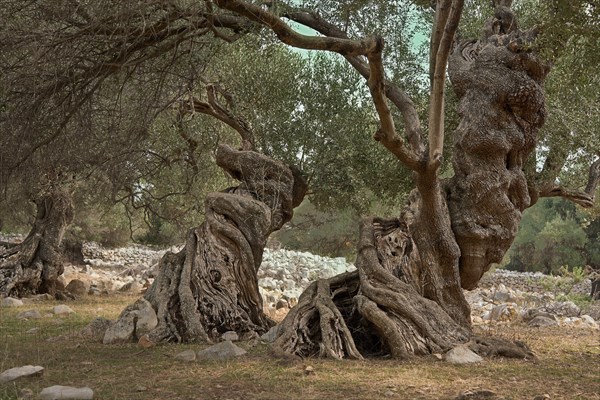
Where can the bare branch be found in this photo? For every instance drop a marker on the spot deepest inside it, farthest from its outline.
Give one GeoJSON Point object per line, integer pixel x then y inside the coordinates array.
{"type": "Point", "coordinates": [584, 198]}
{"type": "Point", "coordinates": [371, 48]}
{"type": "Point", "coordinates": [436, 110]}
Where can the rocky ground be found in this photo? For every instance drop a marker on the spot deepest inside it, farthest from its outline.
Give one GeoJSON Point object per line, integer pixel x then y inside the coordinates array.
{"type": "Point", "coordinates": [503, 297]}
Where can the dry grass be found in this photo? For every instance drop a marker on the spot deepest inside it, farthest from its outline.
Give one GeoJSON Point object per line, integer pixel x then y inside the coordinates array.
{"type": "Point", "coordinates": [568, 366]}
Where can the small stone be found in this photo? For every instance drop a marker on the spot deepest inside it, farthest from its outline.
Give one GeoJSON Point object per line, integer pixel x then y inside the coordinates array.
{"type": "Point", "coordinates": [32, 331]}
{"type": "Point", "coordinates": [389, 393]}
{"type": "Point", "coordinates": [58, 392]}
{"type": "Point", "coordinates": [309, 370]}
{"type": "Point", "coordinates": [461, 354]}
{"type": "Point", "coordinates": [476, 394]}
{"type": "Point", "coordinates": [542, 321]}
{"type": "Point", "coordinates": [77, 288]}
{"type": "Point", "coordinates": [282, 303]}
{"type": "Point", "coordinates": [438, 356]}
{"type": "Point", "coordinates": [62, 309]}
{"type": "Point", "coordinates": [187, 355]}
{"type": "Point", "coordinates": [544, 396]}
{"type": "Point", "coordinates": [19, 372]}
{"type": "Point", "coordinates": [220, 351]}
{"type": "Point", "coordinates": [145, 343]}
{"type": "Point", "coordinates": [140, 388]}
{"type": "Point", "coordinates": [29, 314]}
{"type": "Point", "coordinates": [11, 302]}
{"type": "Point", "coordinates": [230, 335]}
{"type": "Point", "coordinates": [271, 335]}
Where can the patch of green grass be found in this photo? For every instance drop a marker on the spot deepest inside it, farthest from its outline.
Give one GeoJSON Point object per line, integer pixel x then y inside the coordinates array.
{"type": "Point", "coordinates": [567, 366]}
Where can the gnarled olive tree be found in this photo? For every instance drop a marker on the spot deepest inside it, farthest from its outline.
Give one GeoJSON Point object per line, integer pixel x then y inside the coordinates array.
{"type": "Point", "coordinates": [406, 297]}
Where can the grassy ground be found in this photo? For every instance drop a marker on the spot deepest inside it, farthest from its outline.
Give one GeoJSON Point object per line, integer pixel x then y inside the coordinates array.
{"type": "Point", "coordinates": [568, 366]}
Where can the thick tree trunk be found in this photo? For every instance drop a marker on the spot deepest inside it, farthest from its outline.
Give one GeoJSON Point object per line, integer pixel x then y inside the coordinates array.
{"type": "Point", "coordinates": [211, 285]}
{"type": "Point", "coordinates": [406, 297]}
{"type": "Point", "coordinates": [34, 265]}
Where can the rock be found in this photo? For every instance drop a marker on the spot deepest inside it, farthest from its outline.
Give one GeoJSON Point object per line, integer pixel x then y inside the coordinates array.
{"type": "Point", "coordinates": [220, 351]}
{"type": "Point", "coordinates": [132, 287]}
{"type": "Point", "coordinates": [541, 321]}
{"type": "Point", "coordinates": [145, 343]}
{"type": "Point", "coordinates": [476, 394]}
{"type": "Point", "coordinates": [563, 309]}
{"type": "Point", "coordinates": [19, 372]}
{"type": "Point", "coordinates": [96, 329]}
{"type": "Point", "coordinates": [25, 394]}
{"type": "Point", "coordinates": [29, 314]}
{"type": "Point", "coordinates": [187, 355]}
{"type": "Point", "coordinates": [77, 288]}
{"type": "Point", "coordinates": [58, 392]}
{"type": "Point", "coordinates": [271, 335]}
{"type": "Point", "coordinates": [542, 397]}
{"type": "Point", "coordinates": [309, 370]}
{"type": "Point", "coordinates": [589, 321]}
{"type": "Point", "coordinates": [461, 354]}
{"type": "Point", "coordinates": [138, 318]}
{"type": "Point", "coordinates": [62, 309]}
{"type": "Point", "coordinates": [230, 335]}
{"type": "Point", "coordinates": [11, 302]}
{"type": "Point", "coordinates": [282, 304]}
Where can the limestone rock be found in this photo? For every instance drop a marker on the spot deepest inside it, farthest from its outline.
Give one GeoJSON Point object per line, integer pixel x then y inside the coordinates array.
{"type": "Point", "coordinates": [541, 321]}
{"type": "Point", "coordinates": [62, 309]}
{"type": "Point", "coordinates": [138, 318]}
{"type": "Point", "coordinates": [187, 355]}
{"type": "Point", "coordinates": [271, 335]}
{"type": "Point", "coordinates": [58, 392]}
{"type": "Point", "coordinates": [461, 354]}
{"type": "Point", "coordinates": [29, 314]}
{"type": "Point", "coordinates": [96, 329]}
{"type": "Point", "coordinates": [77, 288]}
{"type": "Point", "coordinates": [19, 372]}
{"type": "Point", "coordinates": [221, 351]}
{"type": "Point", "coordinates": [11, 302]}
{"type": "Point", "coordinates": [230, 335]}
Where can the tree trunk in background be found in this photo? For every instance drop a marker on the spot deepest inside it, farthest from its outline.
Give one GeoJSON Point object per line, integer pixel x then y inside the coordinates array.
{"type": "Point", "coordinates": [211, 285]}
{"type": "Point", "coordinates": [406, 297]}
{"type": "Point", "coordinates": [34, 265]}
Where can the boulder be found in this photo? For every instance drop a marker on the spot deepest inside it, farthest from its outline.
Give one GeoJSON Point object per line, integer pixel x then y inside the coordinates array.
{"type": "Point", "coordinates": [230, 335]}
{"type": "Point", "coordinates": [187, 355]}
{"type": "Point", "coordinates": [138, 318]}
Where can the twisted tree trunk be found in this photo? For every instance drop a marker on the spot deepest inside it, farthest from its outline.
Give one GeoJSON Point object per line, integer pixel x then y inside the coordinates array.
{"type": "Point", "coordinates": [211, 285]}
{"type": "Point", "coordinates": [406, 297]}
{"type": "Point", "coordinates": [34, 265]}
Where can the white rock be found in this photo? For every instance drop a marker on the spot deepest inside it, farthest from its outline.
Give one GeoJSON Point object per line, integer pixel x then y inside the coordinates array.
{"type": "Point", "coordinates": [29, 314]}
{"type": "Point", "coordinates": [221, 351]}
{"type": "Point", "coordinates": [139, 318]}
{"type": "Point", "coordinates": [11, 302]}
{"type": "Point", "coordinates": [589, 321]}
{"type": "Point", "coordinates": [18, 372]}
{"type": "Point", "coordinates": [461, 354]}
{"type": "Point", "coordinates": [58, 392]}
{"type": "Point", "coordinates": [62, 309]}
{"type": "Point", "coordinates": [187, 355]}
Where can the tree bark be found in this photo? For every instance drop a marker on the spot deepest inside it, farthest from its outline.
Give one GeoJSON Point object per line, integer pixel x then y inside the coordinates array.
{"type": "Point", "coordinates": [211, 285]}
{"type": "Point", "coordinates": [34, 265]}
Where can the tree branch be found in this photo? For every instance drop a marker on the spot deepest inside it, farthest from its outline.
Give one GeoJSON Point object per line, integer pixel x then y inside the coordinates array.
{"type": "Point", "coordinates": [436, 110]}
{"type": "Point", "coordinates": [371, 47]}
{"type": "Point", "coordinates": [584, 198]}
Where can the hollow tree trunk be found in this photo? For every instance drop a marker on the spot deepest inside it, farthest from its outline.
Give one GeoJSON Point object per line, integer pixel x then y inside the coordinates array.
{"type": "Point", "coordinates": [406, 297]}
{"type": "Point", "coordinates": [211, 285]}
{"type": "Point", "coordinates": [34, 265]}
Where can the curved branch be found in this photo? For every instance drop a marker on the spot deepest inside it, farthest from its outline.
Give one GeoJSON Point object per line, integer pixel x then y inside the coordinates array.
{"type": "Point", "coordinates": [584, 198]}
{"type": "Point", "coordinates": [371, 48]}
{"type": "Point", "coordinates": [412, 124]}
